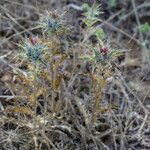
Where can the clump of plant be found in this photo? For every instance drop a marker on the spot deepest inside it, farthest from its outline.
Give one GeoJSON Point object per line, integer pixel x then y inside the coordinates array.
{"type": "Point", "coordinates": [44, 102]}
{"type": "Point", "coordinates": [101, 55]}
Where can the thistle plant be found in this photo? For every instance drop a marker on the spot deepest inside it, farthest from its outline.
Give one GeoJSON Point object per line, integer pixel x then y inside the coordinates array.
{"type": "Point", "coordinates": [100, 55]}
{"type": "Point", "coordinates": [53, 23]}
{"type": "Point", "coordinates": [103, 52]}
{"type": "Point", "coordinates": [34, 50]}
{"type": "Point", "coordinates": [91, 14]}
{"type": "Point", "coordinates": [45, 95]}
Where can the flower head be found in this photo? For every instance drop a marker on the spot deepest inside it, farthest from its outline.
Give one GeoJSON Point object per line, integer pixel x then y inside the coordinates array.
{"type": "Point", "coordinates": [104, 50]}
{"type": "Point", "coordinates": [52, 22]}
{"type": "Point", "coordinates": [34, 49]}
{"type": "Point", "coordinates": [34, 40]}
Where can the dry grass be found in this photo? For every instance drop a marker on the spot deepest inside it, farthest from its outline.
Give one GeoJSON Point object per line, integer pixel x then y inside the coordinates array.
{"type": "Point", "coordinates": [71, 103]}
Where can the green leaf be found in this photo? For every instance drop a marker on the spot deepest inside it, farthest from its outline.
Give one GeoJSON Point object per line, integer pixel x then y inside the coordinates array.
{"type": "Point", "coordinates": [144, 28]}
{"type": "Point", "coordinates": [91, 14]}
{"type": "Point", "coordinates": [114, 53]}
{"type": "Point", "coordinates": [86, 57]}
{"type": "Point", "coordinates": [100, 33]}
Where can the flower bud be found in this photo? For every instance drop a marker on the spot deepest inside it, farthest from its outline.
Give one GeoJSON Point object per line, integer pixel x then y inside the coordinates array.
{"type": "Point", "coordinates": [33, 40]}
{"type": "Point", "coordinates": [103, 50]}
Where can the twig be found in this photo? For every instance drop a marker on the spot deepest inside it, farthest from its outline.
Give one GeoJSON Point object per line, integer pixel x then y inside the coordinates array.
{"type": "Point", "coordinates": [6, 55]}
{"type": "Point", "coordinates": [142, 42]}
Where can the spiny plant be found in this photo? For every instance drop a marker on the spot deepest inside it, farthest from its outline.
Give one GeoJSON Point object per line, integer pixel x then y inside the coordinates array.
{"type": "Point", "coordinates": [42, 83]}
{"type": "Point", "coordinates": [53, 23]}
{"type": "Point", "coordinates": [101, 55]}
{"type": "Point", "coordinates": [34, 50]}
{"type": "Point", "coordinates": [43, 59]}
{"type": "Point", "coordinates": [41, 79]}
{"type": "Point", "coordinates": [91, 14]}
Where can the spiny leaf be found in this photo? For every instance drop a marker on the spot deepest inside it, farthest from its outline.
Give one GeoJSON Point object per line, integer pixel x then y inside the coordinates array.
{"type": "Point", "coordinates": [100, 33]}
{"type": "Point", "coordinates": [91, 14]}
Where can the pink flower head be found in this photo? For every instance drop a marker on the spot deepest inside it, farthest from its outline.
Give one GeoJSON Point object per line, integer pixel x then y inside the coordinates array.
{"type": "Point", "coordinates": [33, 40]}
{"type": "Point", "coordinates": [103, 50]}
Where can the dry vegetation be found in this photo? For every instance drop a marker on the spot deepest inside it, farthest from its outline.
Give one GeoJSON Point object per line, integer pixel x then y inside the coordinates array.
{"type": "Point", "coordinates": [74, 75]}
